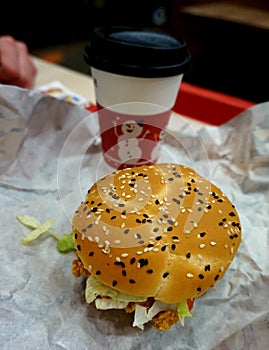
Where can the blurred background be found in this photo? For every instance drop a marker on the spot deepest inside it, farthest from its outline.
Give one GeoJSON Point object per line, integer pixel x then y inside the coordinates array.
{"type": "Point", "coordinates": [228, 40]}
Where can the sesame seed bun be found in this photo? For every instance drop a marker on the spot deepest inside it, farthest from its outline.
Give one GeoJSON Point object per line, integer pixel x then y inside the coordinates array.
{"type": "Point", "coordinates": [159, 231]}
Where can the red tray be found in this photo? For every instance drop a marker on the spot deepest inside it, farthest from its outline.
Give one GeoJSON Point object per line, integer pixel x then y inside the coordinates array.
{"type": "Point", "coordinates": [208, 106]}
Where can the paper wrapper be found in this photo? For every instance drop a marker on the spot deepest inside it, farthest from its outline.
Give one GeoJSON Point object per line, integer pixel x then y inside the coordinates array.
{"type": "Point", "coordinates": [50, 155]}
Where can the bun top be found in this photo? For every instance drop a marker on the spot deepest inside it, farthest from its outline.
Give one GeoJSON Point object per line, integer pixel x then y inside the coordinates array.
{"type": "Point", "coordinates": [159, 231]}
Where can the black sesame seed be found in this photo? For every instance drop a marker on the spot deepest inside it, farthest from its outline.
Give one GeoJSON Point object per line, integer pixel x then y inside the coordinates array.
{"type": "Point", "coordinates": [78, 247]}
{"type": "Point", "coordinates": [207, 268]}
{"type": "Point", "coordinates": [216, 278]}
{"type": "Point", "coordinates": [143, 262]}
{"type": "Point", "coordinates": [201, 276]}
{"type": "Point", "coordinates": [146, 216]}
{"type": "Point", "coordinates": [173, 246]}
{"type": "Point", "coordinates": [188, 255]}
{"type": "Point", "coordinates": [149, 221]}
{"type": "Point", "coordinates": [91, 253]}
{"type": "Point", "coordinates": [98, 272]}
{"type": "Point", "coordinates": [107, 210]}
{"type": "Point", "coordinates": [132, 261]}
{"type": "Point", "coordinates": [94, 209]}
{"type": "Point", "coordinates": [114, 283]}
{"type": "Point", "coordinates": [76, 236]}
{"type": "Point", "coordinates": [138, 235]}
{"type": "Point", "coordinates": [170, 228]}
{"type": "Point", "coordinates": [199, 289]}
{"type": "Point", "coordinates": [124, 273]}
{"type": "Point", "coordinates": [149, 271]}
{"type": "Point", "coordinates": [113, 217]}
{"type": "Point", "coordinates": [158, 238]}
{"type": "Point", "coordinates": [156, 229]}
{"type": "Point", "coordinates": [84, 230]}
{"type": "Point", "coordinates": [121, 205]}
{"type": "Point", "coordinates": [177, 201]}
{"type": "Point", "coordinates": [157, 201]}
{"type": "Point", "coordinates": [126, 231]}
{"type": "Point", "coordinates": [163, 248]}
{"type": "Point", "coordinates": [202, 234]}
{"type": "Point", "coordinates": [138, 221]}
{"type": "Point", "coordinates": [90, 226]}
{"type": "Point", "coordinates": [132, 281]}
{"type": "Point", "coordinates": [231, 213]}
{"type": "Point", "coordinates": [220, 223]}
{"type": "Point", "coordinates": [165, 274]}
{"type": "Point", "coordinates": [141, 242]}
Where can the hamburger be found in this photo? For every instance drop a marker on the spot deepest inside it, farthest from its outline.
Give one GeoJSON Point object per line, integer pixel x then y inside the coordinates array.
{"type": "Point", "coordinates": [152, 239]}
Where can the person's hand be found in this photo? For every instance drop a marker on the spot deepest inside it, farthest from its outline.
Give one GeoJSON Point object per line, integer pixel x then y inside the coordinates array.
{"type": "Point", "coordinates": [16, 65]}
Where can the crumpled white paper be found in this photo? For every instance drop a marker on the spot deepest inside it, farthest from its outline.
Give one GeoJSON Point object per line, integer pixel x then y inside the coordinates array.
{"type": "Point", "coordinates": [49, 156]}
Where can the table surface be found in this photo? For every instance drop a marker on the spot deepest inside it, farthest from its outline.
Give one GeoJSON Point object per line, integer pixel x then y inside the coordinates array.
{"type": "Point", "coordinates": [78, 82]}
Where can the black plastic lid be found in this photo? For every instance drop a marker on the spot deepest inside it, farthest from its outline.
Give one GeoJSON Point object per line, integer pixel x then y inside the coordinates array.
{"type": "Point", "coordinates": [136, 52]}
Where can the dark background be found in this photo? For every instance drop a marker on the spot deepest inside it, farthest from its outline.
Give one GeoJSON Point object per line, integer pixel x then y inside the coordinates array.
{"type": "Point", "coordinates": [229, 56]}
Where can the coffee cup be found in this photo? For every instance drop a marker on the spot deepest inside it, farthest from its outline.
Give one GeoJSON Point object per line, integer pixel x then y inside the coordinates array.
{"type": "Point", "coordinates": [137, 75]}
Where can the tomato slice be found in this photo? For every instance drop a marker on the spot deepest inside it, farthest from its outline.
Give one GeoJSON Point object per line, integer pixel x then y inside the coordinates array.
{"type": "Point", "coordinates": [190, 303]}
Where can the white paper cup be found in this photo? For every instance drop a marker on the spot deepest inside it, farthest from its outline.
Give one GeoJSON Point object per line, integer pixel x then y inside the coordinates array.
{"type": "Point", "coordinates": [137, 75]}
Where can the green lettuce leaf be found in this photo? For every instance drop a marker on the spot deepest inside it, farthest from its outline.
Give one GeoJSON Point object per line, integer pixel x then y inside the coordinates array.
{"type": "Point", "coordinates": [95, 288]}
{"type": "Point", "coordinates": [183, 311]}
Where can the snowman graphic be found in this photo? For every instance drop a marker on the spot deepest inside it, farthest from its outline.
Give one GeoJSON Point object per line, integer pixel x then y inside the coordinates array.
{"type": "Point", "coordinates": [129, 150]}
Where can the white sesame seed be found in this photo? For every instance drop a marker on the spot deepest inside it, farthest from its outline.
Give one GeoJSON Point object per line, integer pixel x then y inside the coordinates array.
{"type": "Point", "coordinates": [139, 252]}
{"type": "Point", "coordinates": [189, 275]}
{"type": "Point", "coordinates": [100, 246]}
{"type": "Point", "coordinates": [140, 199]}
{"type": "Point", "coordinates": [199, 256]}
{"type": "Point", "coordinates": [124, 255]}
{"type": "Point", "coordinates": [122, 225]}
{"type": "Point", "coordinates": [226, 246]}
{"type": "Point", "coordinates": [89, 268]}
{"type": "Point", "coordinates": [155, 249]}
{"type": "Point", "coordinates": [220, 211]}
{"type": "Point", "coordinates": [117, 241]}
{"type": "Point", "coordinates": [232, 250]}
{"type": "Point", "coordinates": [97, 239]}
{"type": "Point", "coordinates": [90, 238]}
{"type": "Point", "coordinates": [118, 259]}
{"type": "Point", "coordinates": [202, 245]}
{"type": "Point", "coordinates": [221, 268]}
{"type": "Point", "coordinates": [213, 243]}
